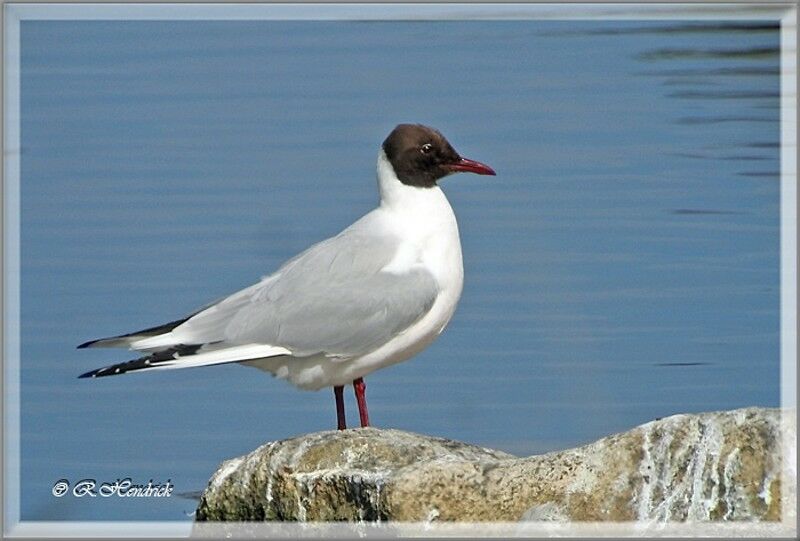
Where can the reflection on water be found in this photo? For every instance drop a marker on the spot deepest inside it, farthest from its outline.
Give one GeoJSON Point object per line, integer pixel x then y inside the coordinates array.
{"type": "Point", "coordinates": [679, 27]}
{"type": "Point", "coordinates": [622, 266]}
{"type": "Point", "coordinates": [696, 81]}
{"type": "Point", "coordinates": [704, 211]}
{"type": "Point", "coordinates": [756, 53]}
{"type": "Point", "coordinates": [682, 364]}
{"type": "Point", "coordinates": [723, 95]}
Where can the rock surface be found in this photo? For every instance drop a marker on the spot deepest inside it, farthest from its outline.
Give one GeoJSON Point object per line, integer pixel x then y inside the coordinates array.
{"type": "Point", "coordinates": [719, 466]}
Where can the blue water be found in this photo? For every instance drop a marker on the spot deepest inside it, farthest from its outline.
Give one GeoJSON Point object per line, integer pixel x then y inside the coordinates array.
{"type": "Point", "coordinates": [622, 266]}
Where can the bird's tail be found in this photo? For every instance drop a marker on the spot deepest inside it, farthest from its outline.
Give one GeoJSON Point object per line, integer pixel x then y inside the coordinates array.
{"type": "Point", "coordinates": [191, 356]}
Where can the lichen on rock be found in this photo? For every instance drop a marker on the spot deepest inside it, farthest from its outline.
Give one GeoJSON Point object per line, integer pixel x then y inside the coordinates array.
{"type": "Point", "coordinates": [719, 466]}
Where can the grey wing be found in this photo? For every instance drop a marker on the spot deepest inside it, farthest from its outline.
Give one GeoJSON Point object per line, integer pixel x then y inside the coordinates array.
{"type": "Point", "coordinates": [334, 298]}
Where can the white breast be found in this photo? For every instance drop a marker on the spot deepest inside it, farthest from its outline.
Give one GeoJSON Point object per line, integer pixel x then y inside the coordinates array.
{"type": "Point", "coordinates": [425, 221]}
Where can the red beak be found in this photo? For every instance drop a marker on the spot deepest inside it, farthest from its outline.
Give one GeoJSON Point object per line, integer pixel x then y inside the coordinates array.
{"type": "Point", "coordinates": [471, 166]}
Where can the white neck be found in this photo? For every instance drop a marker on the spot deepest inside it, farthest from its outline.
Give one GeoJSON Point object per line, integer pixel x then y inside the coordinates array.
{"type": "Point", "coordinates": [424, 220]}
{"type": "Point", "coordinates": [398, 196]}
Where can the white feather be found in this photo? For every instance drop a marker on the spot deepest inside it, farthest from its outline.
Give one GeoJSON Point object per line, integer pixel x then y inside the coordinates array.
{"type": "Point", "coordinates": [233, 354]}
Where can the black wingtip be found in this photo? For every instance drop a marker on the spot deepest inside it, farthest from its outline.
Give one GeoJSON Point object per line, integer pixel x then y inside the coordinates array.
{"type": "Point", "coordinates": [86, 345]}
{"type": "Point", "coordinates": [112, 370]}
{"type": "Point", "coordinates": [143, 363]}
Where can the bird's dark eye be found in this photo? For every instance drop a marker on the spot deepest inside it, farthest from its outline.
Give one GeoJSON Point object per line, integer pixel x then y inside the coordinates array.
{"type": "Point", "coordinates": [427, 148]}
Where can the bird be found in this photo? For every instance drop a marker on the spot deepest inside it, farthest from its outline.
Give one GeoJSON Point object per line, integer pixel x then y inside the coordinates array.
{"type": "Point", "coordinates": [375, 294]}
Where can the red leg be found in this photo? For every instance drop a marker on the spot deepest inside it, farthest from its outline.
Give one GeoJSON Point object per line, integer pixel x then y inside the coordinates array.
{"type": "Point", "coordinates": [360, 387]}
{"type": "Point", "coordinates": [337, 392]}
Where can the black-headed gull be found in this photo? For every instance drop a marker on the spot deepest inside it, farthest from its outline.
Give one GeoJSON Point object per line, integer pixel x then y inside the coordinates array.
{"type": "Point", "coordinates": [374, 295]}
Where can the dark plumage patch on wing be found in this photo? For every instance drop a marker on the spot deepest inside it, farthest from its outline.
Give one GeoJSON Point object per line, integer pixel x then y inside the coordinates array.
{"type": "Point", "coordinates": [148, 361]}
{"type": "Point", "coordinates": [152, 331]}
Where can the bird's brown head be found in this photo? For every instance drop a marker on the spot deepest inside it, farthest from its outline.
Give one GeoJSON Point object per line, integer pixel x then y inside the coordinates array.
{"type": "Point", "coordinates": [421, 156]}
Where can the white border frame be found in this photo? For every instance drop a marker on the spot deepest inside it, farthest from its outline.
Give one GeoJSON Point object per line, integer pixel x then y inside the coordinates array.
{"type": "Point", "coordinates": [15, 13]}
